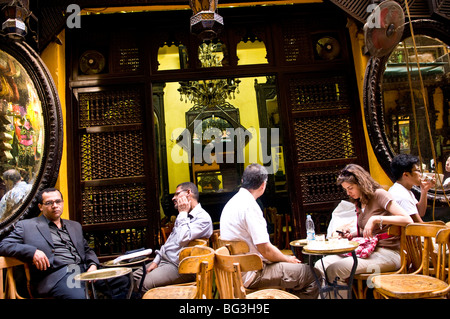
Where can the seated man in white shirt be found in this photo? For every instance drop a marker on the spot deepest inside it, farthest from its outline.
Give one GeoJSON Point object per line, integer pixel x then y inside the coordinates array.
{"type": "Point", "coordinates": [192, 222]}
{"type": "Point", "coordinates": [406, 171]}
{"type": "Point", "coordinates": [242, 219]}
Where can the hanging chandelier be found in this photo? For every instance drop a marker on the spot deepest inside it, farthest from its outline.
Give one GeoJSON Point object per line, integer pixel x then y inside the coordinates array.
{"type": "Point", "coordinates": [209, 93]}
{"type": "Point", "coordinates": [205, 22]}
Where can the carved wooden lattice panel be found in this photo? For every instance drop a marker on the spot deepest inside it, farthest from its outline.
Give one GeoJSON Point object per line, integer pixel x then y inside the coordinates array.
{"type": "Point", "coordinates": [111, 139]}
{"type": "Point", "coordinates": [323, 138]}
{"type": "Point", "coordinates": [319, 185]}
{"type": "Point", "coordinates": [112, 155]}
{"type": "Point", "coordinates": [296, 42]}
{"type": "Point", "coordinates": [110, 108]}
{"type": "Point", "coordinates": [114, 203]}
{"type": "Point", "coordinates": [126, 53]}
{"type": "Point", "coordinates": [318, 94]}
{"type": "Point", "coordinates": [117, 241]}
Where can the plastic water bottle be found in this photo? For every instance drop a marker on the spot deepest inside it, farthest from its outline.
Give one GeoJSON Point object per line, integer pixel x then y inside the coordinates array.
{"type": "Point", "coordinates": [310, 232]}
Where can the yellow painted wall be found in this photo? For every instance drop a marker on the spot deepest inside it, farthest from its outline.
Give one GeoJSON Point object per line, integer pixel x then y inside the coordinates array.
{"type": "Point", "coordinates": [54, 57]}
{"type": "Point", "coordinates": [177, 159]}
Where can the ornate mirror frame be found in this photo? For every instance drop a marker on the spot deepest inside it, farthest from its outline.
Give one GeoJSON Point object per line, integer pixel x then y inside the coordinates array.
{"type": "Point", "coordinates": [373, 95]}
{"type": "Point", "coordinates": [47, 173]}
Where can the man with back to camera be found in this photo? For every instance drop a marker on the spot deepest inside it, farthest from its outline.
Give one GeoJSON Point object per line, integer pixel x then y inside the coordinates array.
{"type": "Point", "coordinates": [406, 171]}
{"type": "Point", "coordinates": [192, 222]}
{"type": "Point", "coordinates": [242, 219]}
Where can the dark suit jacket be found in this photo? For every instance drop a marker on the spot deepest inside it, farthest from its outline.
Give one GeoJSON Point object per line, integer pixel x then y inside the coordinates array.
{"type": "Point", "coordinates": [31, 234]}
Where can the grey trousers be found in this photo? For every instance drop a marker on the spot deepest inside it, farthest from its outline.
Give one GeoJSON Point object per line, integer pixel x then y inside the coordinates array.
{"type": "Point", "coordinates": [297, 279]}
{"type": "Point", "coordinates": [165, 274]}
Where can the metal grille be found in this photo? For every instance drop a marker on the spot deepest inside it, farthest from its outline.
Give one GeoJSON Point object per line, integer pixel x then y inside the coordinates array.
{"type": "Point", "coordinates": [117, 241]}
{"type": "Point", "coordinates": [319, 185]}
{"type": "Point", "coordinates": [316, 94]}
{"type": "Point", "coordinates": [114, 203]}
{"type": "Point", "coordinates": [296, 42]}
{"type": "Point", "coordinates": [323, 138]}
{"type": "Point", "coordinates": [110, 108]}
{"type": "Point", "coordinates": [112, 155]}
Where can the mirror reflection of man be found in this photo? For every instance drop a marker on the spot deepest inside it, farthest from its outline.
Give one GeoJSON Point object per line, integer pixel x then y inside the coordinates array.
{"type": "Point", "coordinates": [16, 191]}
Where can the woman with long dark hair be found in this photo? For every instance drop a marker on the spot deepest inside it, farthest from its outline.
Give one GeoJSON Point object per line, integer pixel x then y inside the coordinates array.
{"type": "Point", "coordinates": [376, 209]}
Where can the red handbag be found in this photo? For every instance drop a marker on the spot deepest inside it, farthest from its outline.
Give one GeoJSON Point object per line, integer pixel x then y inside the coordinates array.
{"type": "Point", "coordinates": [366, 245]}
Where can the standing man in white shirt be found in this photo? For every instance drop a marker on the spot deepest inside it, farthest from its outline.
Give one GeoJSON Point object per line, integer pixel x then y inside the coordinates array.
{"type": "Point", "coordinates": [192, 222]}
{"type": "Point", "coordinates": [406, 171]}
{"type": "Point", "coordinates": [242, 219]}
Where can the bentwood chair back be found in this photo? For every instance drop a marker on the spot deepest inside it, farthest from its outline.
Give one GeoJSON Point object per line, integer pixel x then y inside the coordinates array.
{"type": "Point", "coordinates": [8, 288]}
{"type": "Point", "coordinates": [443, 262]}
{"type": "Point", "coordinates": [236, 247]}
{"type": "Point", "coordinates": [228, 273]}
{"type": "Point", "coordinates": [197, 260]}
{"type": "Point", "coordinates": [198, 242]}
{"type": "Point", "coordinates": [424, 282]}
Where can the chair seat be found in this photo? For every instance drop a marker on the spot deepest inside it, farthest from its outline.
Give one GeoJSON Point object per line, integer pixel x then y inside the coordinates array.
{"type": "Point", "coordinates": [408, 286]}
{"type": "Point", "coordinates": [271, 294]}
{"type": "Point", "coordinates": [171, 292]}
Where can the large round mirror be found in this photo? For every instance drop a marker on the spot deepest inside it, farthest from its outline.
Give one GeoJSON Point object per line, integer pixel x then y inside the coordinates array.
{"type": "Point", "coordinates": [30, 132]}
{"type": "Point", "coordinates": [404, 108]}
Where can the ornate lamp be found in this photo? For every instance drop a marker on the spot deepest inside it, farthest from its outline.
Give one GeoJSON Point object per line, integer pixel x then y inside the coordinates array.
{"type": "Point", "coordinates": [209, 93]}
{"type": "Point", "coordinates": [15, 15]}
{"type": "Point", "coordinates": [205, 23]}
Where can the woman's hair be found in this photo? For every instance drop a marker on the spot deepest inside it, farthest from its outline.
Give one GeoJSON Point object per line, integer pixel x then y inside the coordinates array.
{"type": "Point", "coordinates": [355, 174]}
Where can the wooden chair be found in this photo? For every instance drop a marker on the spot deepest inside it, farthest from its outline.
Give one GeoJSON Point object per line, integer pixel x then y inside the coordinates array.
{"type": "Point", "coordinates": [235, 247]}
{"type": "Point", "coordinates": [194, 260]}
{"type": "Point", "coordinates": [8, 289]}
{"type": "Point", "coordinates": [198, 242]}
{"type": "Point", "coordinates": [410, 260]}
{"type": "Point", "coordinates": [228, 272]}
{"type": "Point", "coordinates": [165, 232]}
{"type": "Point", "coordinates": [424, 282]}
{"type": "Point", "coordinates": [360, 288]}
{"type": "Point", "coordinates": [215, 239]}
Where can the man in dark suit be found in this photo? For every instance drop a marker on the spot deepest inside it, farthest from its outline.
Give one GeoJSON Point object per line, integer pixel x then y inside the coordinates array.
{"type": "Point", "coordinates": [55, 246]}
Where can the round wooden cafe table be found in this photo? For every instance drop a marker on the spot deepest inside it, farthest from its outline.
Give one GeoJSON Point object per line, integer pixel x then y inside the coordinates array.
{"type": "Point", "coordinates": [324, 249]}
{"type": "Point", "coordinates": [135, 263]}
{"type": "Point", "coordinates": [104, 274]}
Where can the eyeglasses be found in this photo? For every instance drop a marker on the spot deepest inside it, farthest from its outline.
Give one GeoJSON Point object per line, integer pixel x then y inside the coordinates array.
{"type": "Point", "coordinates": [178, 193]}
{"type": "Point", "coordinates": [51, 202]}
